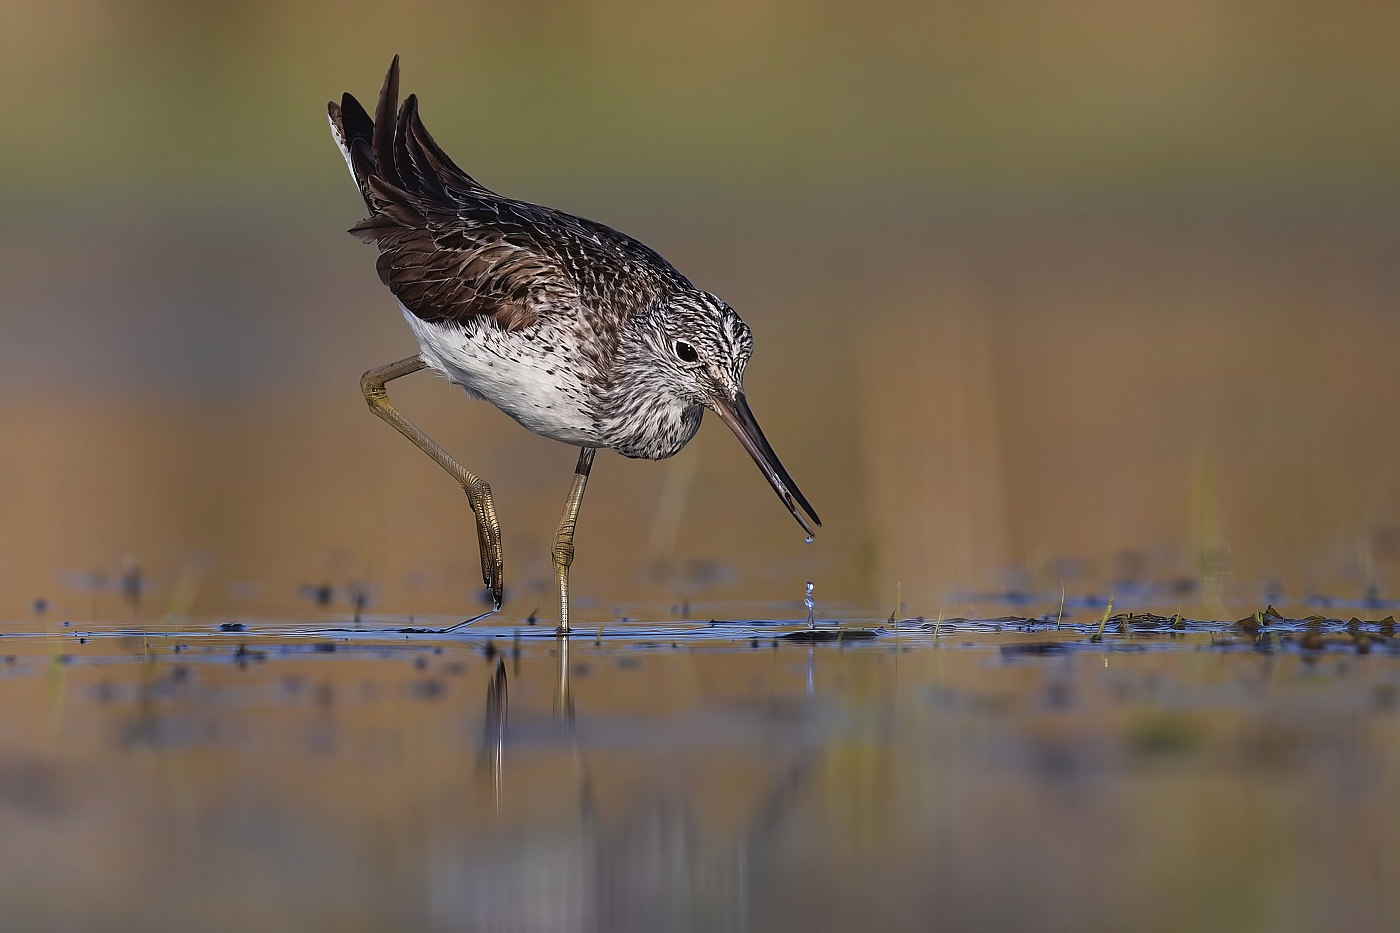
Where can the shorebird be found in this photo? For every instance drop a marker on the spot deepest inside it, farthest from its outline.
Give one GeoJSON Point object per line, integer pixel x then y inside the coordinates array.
{"type": "Point", "coordinates": [578, 332]}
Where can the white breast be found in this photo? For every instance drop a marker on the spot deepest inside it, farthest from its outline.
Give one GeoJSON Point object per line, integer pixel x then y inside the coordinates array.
{"type": "Point", "coordinates": [527, 376]}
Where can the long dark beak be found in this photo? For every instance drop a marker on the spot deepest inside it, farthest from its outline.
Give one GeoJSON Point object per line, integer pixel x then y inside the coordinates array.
{"type": "Point", "coordinates": [741, 421]}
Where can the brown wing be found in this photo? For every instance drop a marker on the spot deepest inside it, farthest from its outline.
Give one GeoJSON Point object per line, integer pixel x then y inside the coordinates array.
{"type": "Point", "coordinates": [450, 249]}
{"type": "Point", "coordinates": [443, 267]}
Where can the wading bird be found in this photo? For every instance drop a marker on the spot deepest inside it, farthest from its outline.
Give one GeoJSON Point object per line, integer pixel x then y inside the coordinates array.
{"type": "Point", "coordinates": [578, 332]}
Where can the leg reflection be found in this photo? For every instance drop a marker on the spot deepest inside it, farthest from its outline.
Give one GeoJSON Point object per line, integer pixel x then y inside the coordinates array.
{"type": "Point", "coordinates": [563, 694]}
{"type": "Point", "coordinates": [564, 723]}
{"type": "Point", "coordinates": [493, 739]}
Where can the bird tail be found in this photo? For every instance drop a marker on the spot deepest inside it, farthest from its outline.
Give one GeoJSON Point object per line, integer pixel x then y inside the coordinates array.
{"type": "Point", "coordinates": [392, 154]}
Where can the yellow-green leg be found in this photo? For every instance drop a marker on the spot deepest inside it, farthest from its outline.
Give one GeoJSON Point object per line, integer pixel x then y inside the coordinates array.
{"type": "Point", "coordinates": [564, 538]}
{"type": "Point", "coordinates": [488, 530]}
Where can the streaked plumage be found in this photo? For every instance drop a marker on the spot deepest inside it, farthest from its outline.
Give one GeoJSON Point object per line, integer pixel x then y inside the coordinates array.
{"type": "Point", "coordinates": [579, 332]}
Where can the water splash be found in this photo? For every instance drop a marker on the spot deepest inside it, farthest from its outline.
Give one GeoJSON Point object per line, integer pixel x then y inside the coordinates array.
{"type": "Point", "coordinates": [810, 604]}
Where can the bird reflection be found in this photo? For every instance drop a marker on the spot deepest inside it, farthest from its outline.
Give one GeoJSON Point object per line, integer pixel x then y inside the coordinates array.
{"type": "Point", "coordinates": [493, 738]}
{"type": "Point", "coordinates": [660, 864]}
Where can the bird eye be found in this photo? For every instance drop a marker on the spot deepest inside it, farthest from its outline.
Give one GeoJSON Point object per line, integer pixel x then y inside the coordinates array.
{"type": "Point", "coordinates": [686, 352]}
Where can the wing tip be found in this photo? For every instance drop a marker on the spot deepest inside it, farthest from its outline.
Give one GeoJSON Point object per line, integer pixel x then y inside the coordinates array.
{"type": "Point", "coordinates": [385, 124]}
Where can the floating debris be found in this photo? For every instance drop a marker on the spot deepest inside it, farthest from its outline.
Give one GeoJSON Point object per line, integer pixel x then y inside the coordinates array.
{"type": "Point", "coordinates": [830, 635]}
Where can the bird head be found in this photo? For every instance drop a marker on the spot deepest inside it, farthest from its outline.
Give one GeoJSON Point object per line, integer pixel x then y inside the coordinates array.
{"type": "Point", "coordinates": [703, 347]}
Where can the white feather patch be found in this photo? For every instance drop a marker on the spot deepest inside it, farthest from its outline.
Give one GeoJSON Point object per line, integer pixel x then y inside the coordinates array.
{"type": "Point", "coordinates": [344, 150]}
{"type": "Point", "coordinates": [528, 379]}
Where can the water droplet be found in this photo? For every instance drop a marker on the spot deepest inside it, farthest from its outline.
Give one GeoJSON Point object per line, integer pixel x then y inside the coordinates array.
{"type": "Point", "coordinates": [809, 539]}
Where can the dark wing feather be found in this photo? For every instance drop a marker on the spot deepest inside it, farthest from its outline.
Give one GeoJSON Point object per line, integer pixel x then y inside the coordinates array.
{"type": "Point", "coordinates": [429, 183]}
{"type": "Point", "coordinates": [351, 125]}
{"type": "Point", "coordinates": [384, 126]}
{"type": "Point", "coordinates": [451, 250]}
{"type": "Point", "coordinates": [446, 269]}
{"type": "Point", "coordinates": [436, 161]}
{"type": "Point", "coordinates": [358, 125]}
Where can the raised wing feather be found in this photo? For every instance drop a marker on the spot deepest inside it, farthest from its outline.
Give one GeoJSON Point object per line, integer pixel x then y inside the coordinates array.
{"type": "Point", "coordinates": [450, 249]}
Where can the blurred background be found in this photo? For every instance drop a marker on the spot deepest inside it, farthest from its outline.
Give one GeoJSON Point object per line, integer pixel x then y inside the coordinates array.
{"type": "Point", "coordinates": [1094, 294]}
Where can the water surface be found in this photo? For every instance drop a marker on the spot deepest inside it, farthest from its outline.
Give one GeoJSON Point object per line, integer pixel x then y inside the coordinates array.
{"type": "Point", "coordinates": [700, 776]}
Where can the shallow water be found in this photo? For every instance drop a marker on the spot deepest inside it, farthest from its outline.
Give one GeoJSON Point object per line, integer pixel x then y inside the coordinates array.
{"type": "Point", "coordinates": [700, 776]}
